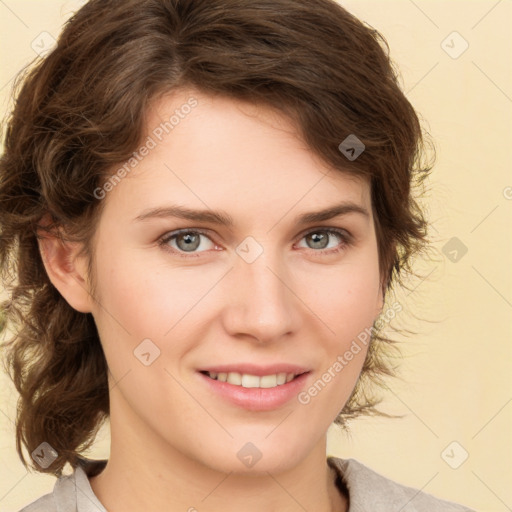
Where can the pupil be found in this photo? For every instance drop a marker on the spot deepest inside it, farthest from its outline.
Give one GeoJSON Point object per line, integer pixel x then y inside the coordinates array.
{"type": "Point", "coordinates": [319, 239]}
{"type": "Point", "coordinates": [191, 242]}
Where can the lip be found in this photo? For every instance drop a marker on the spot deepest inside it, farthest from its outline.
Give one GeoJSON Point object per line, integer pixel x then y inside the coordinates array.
{"type": "Point", "coordinates": [256, 399]}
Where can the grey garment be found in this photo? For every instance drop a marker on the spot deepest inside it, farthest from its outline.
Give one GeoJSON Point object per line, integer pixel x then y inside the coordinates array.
{"type": "Point", "coordinates": [72, 493]}
{"type": "Point", "coordinates": [368, 491]}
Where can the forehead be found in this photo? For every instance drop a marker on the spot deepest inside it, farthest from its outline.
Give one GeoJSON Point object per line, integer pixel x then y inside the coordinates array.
{"type": "Point", "coordinates": [219, 152]}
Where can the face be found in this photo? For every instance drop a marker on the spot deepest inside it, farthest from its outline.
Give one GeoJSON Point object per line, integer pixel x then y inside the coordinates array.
{"type": "Point", "coordinates": [262, 295]}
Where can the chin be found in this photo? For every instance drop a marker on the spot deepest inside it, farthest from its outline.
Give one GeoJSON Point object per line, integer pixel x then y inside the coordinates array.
{"type": "Point", "coordinates": [255, 458]}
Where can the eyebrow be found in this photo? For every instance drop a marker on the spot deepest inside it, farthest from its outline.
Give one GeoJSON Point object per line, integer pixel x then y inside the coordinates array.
{"type": "Point", "coordinates": [224, 219]}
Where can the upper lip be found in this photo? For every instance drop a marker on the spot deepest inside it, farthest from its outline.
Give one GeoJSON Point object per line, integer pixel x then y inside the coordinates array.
{"type": "Point", "coordinates": [253, 369]}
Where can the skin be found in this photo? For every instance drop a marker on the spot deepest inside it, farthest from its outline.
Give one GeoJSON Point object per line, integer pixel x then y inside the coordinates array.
{"type": "Point", "coordinates": [173, 443]}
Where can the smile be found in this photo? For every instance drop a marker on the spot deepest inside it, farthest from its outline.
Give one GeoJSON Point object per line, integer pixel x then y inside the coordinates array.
{"type": "Point", "coordinates": [264, 392]}
{"type": "Point", "coordinates": [246, 380]}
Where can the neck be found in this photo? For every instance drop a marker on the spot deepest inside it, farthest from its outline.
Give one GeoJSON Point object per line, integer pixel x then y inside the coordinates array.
{"type": "Point", "coordinates": [155, 476]}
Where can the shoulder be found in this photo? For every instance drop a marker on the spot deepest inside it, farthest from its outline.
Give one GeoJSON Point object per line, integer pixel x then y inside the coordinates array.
{"type": "Point", "coordinates": [63, 494]}
{"type": "Point", "coordinates": [369, 490]}
{"type": "Point", "coordinates": [71, 493]}
{"type": "Point", "coordinates": [44, 504]}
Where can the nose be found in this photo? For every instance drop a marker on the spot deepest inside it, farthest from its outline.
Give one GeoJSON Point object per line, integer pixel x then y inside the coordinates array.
{"type": "Point", "coordinates": [260, 301]}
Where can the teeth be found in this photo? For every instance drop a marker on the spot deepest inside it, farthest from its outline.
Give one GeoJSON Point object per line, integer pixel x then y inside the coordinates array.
{"type": "Point", "coordinates": [281, 378]}
{"type": "Point", "coordinates": [268, 381]}
{"type": "Point", "coordinates": [250, 381]}
{"type": "Point", "coordinates": [235, 378]}
{"type": "Point", "coordinates": [253, 381]}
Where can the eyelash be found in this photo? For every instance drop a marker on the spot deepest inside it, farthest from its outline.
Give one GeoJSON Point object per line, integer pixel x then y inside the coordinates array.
{"type": "Point", "coordinates": [346, 240]}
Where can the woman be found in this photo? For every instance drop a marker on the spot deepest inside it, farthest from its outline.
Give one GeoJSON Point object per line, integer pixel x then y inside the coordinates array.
{"type": "Point", "coordinates": [204, 203]}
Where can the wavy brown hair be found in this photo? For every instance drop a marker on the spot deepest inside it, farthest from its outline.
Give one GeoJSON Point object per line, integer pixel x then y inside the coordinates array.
{"type": "Point", "coordinates": [81, 110]}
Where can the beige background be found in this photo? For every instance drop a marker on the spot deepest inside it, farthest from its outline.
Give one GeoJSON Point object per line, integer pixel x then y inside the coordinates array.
{"type": "Point", "coordinates": [457, 370]}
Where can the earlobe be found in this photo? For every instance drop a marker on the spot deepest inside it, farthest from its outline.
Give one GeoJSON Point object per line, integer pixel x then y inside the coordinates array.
{"type": "Point", "coordinates": [65, 268]}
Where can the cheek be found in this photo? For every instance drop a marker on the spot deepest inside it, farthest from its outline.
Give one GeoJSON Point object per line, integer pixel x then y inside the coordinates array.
{"type": "Point", "coordinates": [349, 306]}
{"type": "Point", "coordinates": [349, 309]}
{"type": "Point", "coordinates": [350, 300]}
{"type": "Point", "coordinates": [145, 299]}
{"type": "Point", "coordinates": [141, 301]}
{"type": "Point", "coordinates": [148, 299]}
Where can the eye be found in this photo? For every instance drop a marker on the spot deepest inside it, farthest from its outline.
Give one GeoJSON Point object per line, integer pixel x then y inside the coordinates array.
{"type": "Point", "coordinates": [185, 241]}
{"type": "Point", "coordinates": [320, 238]}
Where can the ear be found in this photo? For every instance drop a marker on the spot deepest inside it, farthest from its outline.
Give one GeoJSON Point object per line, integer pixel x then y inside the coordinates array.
{"type": "Point", "coordinates": [66, 270]}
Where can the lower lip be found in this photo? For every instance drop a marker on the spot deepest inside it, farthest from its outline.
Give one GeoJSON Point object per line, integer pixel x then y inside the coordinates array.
{"type": "Point", "coordinates": [257, 399]}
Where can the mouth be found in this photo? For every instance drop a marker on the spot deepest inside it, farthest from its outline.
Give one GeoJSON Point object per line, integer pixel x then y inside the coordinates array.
{"type": "Point", "coordinates": [247, 380]}
{"type": "Point", "coordinates": [256, 388]}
